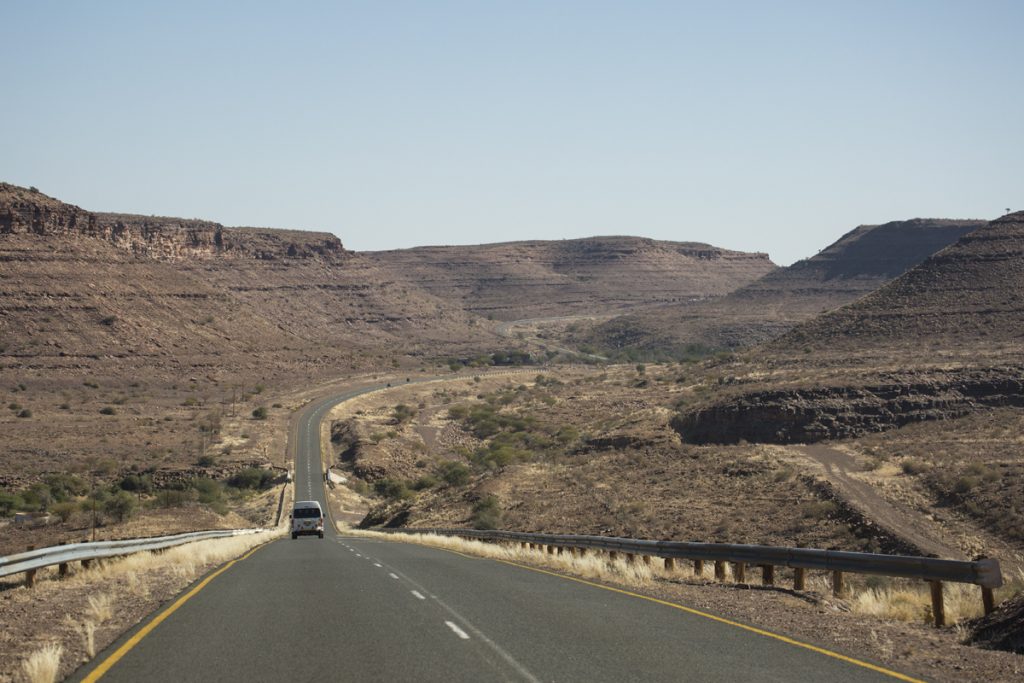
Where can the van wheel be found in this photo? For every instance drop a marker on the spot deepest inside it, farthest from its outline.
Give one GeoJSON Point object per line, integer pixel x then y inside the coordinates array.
{"type": "Point", "coordinates": [321, 534]}
{"type": "Point", "coordinates": [294, 536]}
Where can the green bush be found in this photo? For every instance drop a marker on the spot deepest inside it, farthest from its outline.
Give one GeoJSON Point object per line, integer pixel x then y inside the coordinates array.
{"type": "Point", "coordinates": [403, 413]}
{"type": "Point", "coordinates": [65, 486]}
{"type": "Point", "coordinates": [486, 513]}
{"type": "Point", "coordinates": [208, 490]}
{"type": "Point", "coordinates": [120, 506]}
{"type": "Point", "coordinates": [259, 413]}
{"type": "Point", "coordinates": [453, 473]}
{"type": "Point", "coordinates": [425, 482]}
{"type": "Point", "coordinates": [64, 510]}
{"type": "Point", "coordinates": [107, 410]}
{"type": "Point", "coordinates": [252, 478]}
{"type": "Point", "coordinates": [914, 467]}
{"type": "Point", "coordinates": [392, 489]}
{"type": "Point", "coordinates": [25, 412]}
{"type": "Point", "coordinates": [818, 509]}
{"type": "Point", "coordinates": [137, 483]}
{"type": "Point", "coordinates": [10, 503]}
{"type": "Point", "coordinates": [206, 461]}
{"type": "Point", "coordinates": [172, 498]}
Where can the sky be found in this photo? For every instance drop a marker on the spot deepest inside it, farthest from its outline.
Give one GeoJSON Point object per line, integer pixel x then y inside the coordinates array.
{"type": "Point", "coordinates": [760, 126]}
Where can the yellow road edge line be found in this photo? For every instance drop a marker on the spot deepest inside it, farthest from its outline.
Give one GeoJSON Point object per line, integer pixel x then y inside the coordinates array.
{"type": "Point", "coordinates": [116, 656]}
{"type": "Point", "coordinates": [723, 620]}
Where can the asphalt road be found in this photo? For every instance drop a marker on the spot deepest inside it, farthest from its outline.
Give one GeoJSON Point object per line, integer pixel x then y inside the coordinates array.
{"type": "Point", "coordinates": [346, 608]}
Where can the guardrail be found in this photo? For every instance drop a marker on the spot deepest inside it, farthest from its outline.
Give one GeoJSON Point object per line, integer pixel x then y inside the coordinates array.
{"type": "Point", "coordinates": [983, 572]}
{"type": "Point", "coordinates": [61, 555]}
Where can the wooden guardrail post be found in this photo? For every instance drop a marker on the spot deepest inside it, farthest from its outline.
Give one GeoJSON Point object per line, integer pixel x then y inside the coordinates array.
{"type": "Point", "coordinates": [988, 599]}
{"type": "Point", "coordinates": [740, 572]}
{"type": "Point", "coordinates": [630, 557]}
{"type": "Point", "coordinates": [768, 574]}
{"type": "Point", "coordinates": [938, 608]}
{"type": "Point", "coordinates": [837, 583]}
{"type": "Point", "coordinates": [719, 570]}
{"type": "Point", "coordinates": [612, 555]}
{"type": "Point", "coordinates": [30, 575]}
{"type": "Point", "coordinates": [799, 579]}
{"type": "Point", "coordinates": [646, 559]}
{"type": "Point", "coordinates": [670, 564]}
{"type": "Point", "coordinates": [698, 568]}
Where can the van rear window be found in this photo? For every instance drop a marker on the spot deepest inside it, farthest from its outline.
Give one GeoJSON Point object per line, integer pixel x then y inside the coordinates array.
{"type": "Point", "coordinates": [303, 513]}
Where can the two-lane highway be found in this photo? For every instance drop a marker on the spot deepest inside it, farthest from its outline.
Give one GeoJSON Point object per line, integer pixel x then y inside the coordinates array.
{"type": "Point", "coordinates": [348, 608]}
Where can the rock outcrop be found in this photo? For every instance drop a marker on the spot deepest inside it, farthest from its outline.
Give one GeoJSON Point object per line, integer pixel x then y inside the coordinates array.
{"type": "Point", "coordinates": [808, 415]}
{"type": "Point", "coordinates": [26, 211]}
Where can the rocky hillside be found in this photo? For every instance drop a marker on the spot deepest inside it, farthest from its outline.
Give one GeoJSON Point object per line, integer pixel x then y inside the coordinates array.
{"type": "Point", "coordinates": [968, 296]}
{"type": "Point", "coordinates": [858, 263]}
{"type": "Point", "coordinates": [79, 287]}
{"type": "Point", "coordinates": [941, 341]}
{"type": "Point", "coordinates": [519, 280]}
{"type": "Point", "coordinates": [29, 212]}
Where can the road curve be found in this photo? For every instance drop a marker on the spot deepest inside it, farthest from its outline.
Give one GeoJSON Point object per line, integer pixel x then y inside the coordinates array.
{"type": "Point", "coordinates": [347, 608]}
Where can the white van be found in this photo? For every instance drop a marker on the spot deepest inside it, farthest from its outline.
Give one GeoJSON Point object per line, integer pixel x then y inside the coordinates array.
{"type": "Point", "coordinates": [307, 519]}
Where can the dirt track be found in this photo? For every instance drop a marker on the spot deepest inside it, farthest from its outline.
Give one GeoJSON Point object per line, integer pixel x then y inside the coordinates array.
{"type": "Point", "coordinates": [905, 523]}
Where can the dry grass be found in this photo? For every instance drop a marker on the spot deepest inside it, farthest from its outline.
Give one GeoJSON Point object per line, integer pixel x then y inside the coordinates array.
{"type": "Point", "coordinates": [88, 631]}
{"type": "Point", "coordinates": [83, 613]}
{"type": "Point", "coordinates": [898, 600]}
{"type": "Point", "coordinates": [595, 566]}
{"type": "Point", "coordinates": [912, 602]}
{"type": "Point", "coordinates": [183, 560]}
{"type": "Point", "coordinates": [43, 665]}
{"type": "Point", "coordinates": [101, 608]}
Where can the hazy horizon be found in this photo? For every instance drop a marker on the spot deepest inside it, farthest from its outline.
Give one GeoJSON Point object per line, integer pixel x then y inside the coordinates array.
{"type": "Point", "coordinates": [757, 128]}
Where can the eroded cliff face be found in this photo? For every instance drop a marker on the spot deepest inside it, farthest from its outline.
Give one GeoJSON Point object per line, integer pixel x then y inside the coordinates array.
{"type": "Point", "coordinates": [25, 211]}
{"type": "Point", "coordinates": [822, 413]}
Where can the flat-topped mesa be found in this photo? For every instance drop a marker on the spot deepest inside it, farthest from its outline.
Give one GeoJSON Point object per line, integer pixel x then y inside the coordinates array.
{"type": "Point", "coordinates": [540, 279]}
{"type": "Point", "coordinates": [27, 211]}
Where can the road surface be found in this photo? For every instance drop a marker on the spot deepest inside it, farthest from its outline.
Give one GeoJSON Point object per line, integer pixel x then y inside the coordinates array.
{"type": "Point", "coordinates": [356, 609]}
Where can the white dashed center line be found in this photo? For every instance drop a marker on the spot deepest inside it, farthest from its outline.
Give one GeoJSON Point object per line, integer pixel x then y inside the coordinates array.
{"type": "Point", "coordinates": [393, 576]}
{"type": "Point", "coordinates": [377, 564]}
{"type": "Point", "coordinates": [458, 631]}
{"type": "Point", "coordinates": [418, 595]}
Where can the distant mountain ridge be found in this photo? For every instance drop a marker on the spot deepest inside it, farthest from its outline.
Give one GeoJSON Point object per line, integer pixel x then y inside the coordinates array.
{"type": "Point", "coordinates": [856, 264]}
{"type": "Point", "coordinates": [969, 294]}
{"type": "Point", "coordinates": [535, 279]}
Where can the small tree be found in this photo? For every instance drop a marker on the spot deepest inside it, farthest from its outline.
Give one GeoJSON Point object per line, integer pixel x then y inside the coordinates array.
{"type": "Point", "coordinates": [120, 506]}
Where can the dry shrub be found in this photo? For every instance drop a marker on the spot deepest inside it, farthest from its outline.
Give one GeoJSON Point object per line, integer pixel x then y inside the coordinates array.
{"type": "Point", "coordinates": [43, 665]}
{"type": "Point", "coordinates": [101, 607]}
{"type": "Point", "coordinates": [88, 631]}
